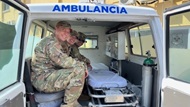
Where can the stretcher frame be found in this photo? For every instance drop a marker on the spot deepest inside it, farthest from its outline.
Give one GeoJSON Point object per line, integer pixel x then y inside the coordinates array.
{"type": "Point", "coordinates": [130, 99]}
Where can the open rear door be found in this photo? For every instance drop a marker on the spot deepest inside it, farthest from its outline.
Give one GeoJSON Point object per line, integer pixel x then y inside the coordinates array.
{"type": "Point", "coordinates": [13, 17]}
{"type": "Point", "coordinates": [176, 84]}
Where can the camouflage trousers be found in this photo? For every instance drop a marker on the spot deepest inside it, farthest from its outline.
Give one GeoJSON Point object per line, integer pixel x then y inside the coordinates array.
{"type": "Point", "coordinates": [71, 80]}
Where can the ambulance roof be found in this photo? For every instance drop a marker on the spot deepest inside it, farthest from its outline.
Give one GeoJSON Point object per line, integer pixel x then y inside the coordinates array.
{"type": "Point", "coordinates": [87, 8]}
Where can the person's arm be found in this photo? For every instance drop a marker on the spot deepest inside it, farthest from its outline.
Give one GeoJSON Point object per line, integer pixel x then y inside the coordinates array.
{"type": "Point", "coordinates": [76, 54]}
{"type": "Point", "coordinates": [60, 58]}
{"type": "Point", "coordinates": [86, 61]}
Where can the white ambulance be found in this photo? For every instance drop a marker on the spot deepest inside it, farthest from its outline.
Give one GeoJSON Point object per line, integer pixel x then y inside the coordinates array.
{"type": "Point", "coordinates": [125, 42]}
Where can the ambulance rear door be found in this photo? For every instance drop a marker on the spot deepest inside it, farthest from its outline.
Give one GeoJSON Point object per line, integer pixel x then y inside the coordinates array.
{"type": "Point", "coordinates": [176, 84]}
{"type": "Point", "coordinates": [13, 20]}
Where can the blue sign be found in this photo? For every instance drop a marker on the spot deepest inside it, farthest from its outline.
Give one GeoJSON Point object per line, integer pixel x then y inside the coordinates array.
{"type": "Point", "coordinates": [90, 9]}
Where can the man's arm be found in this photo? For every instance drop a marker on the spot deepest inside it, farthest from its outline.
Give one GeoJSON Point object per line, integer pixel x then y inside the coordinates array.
{"type": "Point", "coordinates": [84, 59]}
{"type": "Point", "coordinates": [61, 58]}
{"type": "Point", "coordinates": [76, 54]}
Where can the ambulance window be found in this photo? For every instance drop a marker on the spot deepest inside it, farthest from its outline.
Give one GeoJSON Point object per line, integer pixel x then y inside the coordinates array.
{"type": "Point", "coordinates": [35, 35]}
{"type": "Point", "coordinates": [141, 40]}
{"type": "Point", "coordinates": [49, 33]}
{"type": "Point", "coordinates": [91, 42]}
{"type": "Point", "coordinates": [178, 49]}
{"type": "Point", "coordinates": [10, 41]}
{"type": "Point", "coordinates": [5, 7]}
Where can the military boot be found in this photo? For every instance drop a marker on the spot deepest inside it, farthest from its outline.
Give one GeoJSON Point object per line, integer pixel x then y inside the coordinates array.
{"type": "Point", "coordinates": [84, 97]}
{"type": "Point", "coordinates": [77, 104]}
{"type": "Point", "coordinates": [67, 105]}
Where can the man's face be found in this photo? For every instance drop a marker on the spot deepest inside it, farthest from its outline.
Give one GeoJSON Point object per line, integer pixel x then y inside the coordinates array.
{"type": "Point", "coordinates": [79, 43]}
{"type": "Point", "coordinates": [63, 33]}
{"type": "Point", "coordinates": [72, 40]}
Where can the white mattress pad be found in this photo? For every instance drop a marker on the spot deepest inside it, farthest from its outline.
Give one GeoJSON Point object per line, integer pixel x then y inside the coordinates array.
{"type": "Point", "coordinates": [97, 66]}
{"type": "Point", "coordinates": [105, 78]}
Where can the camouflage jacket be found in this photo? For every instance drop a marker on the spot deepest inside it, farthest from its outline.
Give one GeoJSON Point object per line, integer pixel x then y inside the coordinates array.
{"type": "Point", "coordinates": [50, 54]}
{"type": "Point", "coordinates": [76, 54]}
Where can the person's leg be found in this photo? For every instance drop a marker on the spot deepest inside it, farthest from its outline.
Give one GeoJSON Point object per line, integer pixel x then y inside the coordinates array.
{"type": "Point", "coordinates": [70, 80]}
{"type": "Point", "coordinates": [75, 86]}
{"type": "Point", "coordinates": [57, 80]}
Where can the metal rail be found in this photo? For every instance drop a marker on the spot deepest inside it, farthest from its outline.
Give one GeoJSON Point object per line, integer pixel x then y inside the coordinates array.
{"type": "Point", "coordinates": [132, 99]}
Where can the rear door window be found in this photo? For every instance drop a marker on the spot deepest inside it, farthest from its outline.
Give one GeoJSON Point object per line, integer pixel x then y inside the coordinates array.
{"type": "Point", "coordinates": [11, 25]}
{"type": "Point", "coordinates": [142, 40]}
{"type": "Point", "coordinates": [35, 36]}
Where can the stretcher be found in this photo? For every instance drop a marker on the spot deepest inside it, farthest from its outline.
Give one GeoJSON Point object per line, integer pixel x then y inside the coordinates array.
{"type": "Point", "coordinates": [107, 88]}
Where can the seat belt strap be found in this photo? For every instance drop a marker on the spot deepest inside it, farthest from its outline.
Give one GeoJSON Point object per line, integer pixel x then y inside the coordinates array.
{"type": "Point", "coordinates": [28, 84]}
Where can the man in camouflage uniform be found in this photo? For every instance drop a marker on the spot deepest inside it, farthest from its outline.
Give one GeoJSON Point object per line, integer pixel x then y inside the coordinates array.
{"type": "Point", "coordinates": [54, 70]}
{"type": "Point", "coordinates": [75, 48]}
{"type": "Point", "coordinates": [76, 54]}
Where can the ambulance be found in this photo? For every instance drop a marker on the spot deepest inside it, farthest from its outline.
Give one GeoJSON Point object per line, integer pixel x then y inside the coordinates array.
{"type": "Point", "coordinates": [126, 41]}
